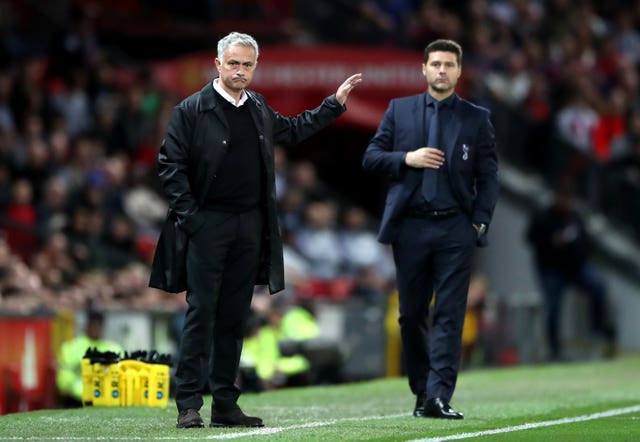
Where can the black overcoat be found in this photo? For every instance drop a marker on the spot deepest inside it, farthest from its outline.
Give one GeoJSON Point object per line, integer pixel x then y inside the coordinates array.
{"type": "Point", "coordinates": [196, 141]}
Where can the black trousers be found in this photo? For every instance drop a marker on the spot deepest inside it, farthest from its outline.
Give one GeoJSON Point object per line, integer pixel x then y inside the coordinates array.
{"type": "Point", "coordinates": [433, 255]}
{"type": "Point", "coordinates": [222, 264]}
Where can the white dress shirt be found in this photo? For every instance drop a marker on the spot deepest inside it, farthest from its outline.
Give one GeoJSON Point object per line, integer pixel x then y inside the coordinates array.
{"type": "Point", "coordinates": [228, 97]}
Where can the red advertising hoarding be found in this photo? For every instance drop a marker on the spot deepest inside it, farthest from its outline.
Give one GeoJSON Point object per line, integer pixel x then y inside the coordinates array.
{"type": "Point", "coordinates": [26, 361]}
{"type": "Point", "coordinates": [296, 78]}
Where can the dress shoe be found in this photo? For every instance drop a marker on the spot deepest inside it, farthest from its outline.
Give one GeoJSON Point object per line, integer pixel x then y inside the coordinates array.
{"type": "Point", "coordinates": [438, 408]}
{"type": "Point", "coordinates": [418, 411]}
{"type": "Point", "coordinates": [234, 418]}
{"type": "Point", "coordinates": [189, 419]}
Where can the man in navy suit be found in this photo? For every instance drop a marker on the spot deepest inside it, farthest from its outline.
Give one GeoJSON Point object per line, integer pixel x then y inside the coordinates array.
{"type": "Point", "coordinates": [439, 152]}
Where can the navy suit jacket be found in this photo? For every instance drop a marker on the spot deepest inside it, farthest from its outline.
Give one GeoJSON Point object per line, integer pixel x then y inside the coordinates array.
{"type": "Point", "coordinates": [467, 137]}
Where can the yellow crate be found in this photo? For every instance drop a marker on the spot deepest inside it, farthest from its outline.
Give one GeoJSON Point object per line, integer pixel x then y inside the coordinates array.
{"type": "Point", "coordinates": [158, 385]}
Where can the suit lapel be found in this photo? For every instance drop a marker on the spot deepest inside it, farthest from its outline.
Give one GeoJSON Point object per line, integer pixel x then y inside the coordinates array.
{"type": "Point", "coordinates": [418, 116]}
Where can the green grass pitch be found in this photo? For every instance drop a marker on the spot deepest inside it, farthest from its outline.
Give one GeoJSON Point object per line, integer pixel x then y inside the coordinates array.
{"type": "Point", "coordinates": [595, 401]}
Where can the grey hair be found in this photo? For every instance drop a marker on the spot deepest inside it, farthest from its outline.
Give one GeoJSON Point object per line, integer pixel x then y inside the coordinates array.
{"type": "Point", "coordinates": [236, 38]}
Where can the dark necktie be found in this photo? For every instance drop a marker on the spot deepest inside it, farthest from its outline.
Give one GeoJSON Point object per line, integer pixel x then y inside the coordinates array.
{"type": "Point", "coordinates": [430, 176]}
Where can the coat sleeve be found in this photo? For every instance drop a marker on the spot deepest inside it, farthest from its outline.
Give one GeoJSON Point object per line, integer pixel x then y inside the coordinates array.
{"type": "Point", "coordinates": [380, 155]}
{"type": "Point", "coordinates": [292, 130]}
{"type": "Point", "coordinates": [173, 165]}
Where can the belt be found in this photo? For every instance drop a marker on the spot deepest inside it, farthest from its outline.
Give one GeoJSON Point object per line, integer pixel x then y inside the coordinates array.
{"type": "Point", "coordinates": [421, 212]}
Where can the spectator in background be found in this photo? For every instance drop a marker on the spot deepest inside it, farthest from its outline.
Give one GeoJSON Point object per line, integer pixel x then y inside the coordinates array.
{"type": "Point", "coordinates": [509, 88]}
{"type": "Point", "coordinates": [318, 240]}
{"type": "Point", "coordinates": [304, 176]}
{"type": "Point", "coordinates": [36, 167]}
{"type": "Point", "coordinates": [75, 47]}
{"type": "Point", "coordinates": [69, 358]}
{"type": "Point", "coordinates": [84, 238]}
{"type": "Point", "coordinates": [292, 211]}
{"type": "Point", "coordinates": [134, 125]}
{"type": "Point", "coordinates": [73, 103]}
{"type": "Point", "coordinates": [142, 203]}
{"type": "Point", "coordinates": [5, 187]}
{"type": "Point", "coordinates": [576, 122]}
{"type": "Point", "coordinates": [562, 257]}
{"type": "Point", "coordinates": [21, 290]}
{"type": "Point", "coordinates": [119, 243]}
{"type": "Point", "coordinates": [52, 210]}
{"type": "Point", "coordinates": [261, 350]}
{"type": "Point", "coordinates": [370, 286]}
{"type": "Point", "coordinates": [84, 157]}
{"type": "Point", "coordinates": [611, 126]}
{"type": "Point", "coordinates": [20, 221]}
{"type": "Point", "coordinates": [359, 245]}
{"type": "Point", "coordinates": [385, 20]}
{"type": "Point", "coordinates": [627, 35]}
{"type": "Point", "coordinates": [53, 264]}
{"type": "Point", "coordinates": [537, 119]}
{"type": "Point", "coordinates": [623, 179]}
{"type": "Point", "coordinates": [7, 122]}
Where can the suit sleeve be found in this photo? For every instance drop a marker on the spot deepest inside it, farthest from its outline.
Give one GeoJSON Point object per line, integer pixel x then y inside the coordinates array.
{"type": "Point", "coordinates": [380, 156]}
{"type": "Point", "coordinates": [173, 166]}
{"type": "Point", "coordinates": [486, 173]}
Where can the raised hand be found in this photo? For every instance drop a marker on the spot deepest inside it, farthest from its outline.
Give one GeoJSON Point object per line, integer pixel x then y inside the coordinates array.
{"type": "Point", "coordinates": [345, 88]}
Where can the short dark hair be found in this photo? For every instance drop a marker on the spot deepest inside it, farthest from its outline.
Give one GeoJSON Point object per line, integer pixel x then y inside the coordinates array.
{"type": "Point", "coordinates": [95, 315]}
{"type": "Point", "coordinates": [444, 46]}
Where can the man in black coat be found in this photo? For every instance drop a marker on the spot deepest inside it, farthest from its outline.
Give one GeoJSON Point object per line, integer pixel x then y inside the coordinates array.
{"type": "Point", "coordinates": [221, 235]}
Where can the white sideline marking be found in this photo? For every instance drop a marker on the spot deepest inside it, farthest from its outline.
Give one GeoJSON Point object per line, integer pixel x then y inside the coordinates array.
{"type": "Point", "coordinates": [273, 430]}
{"type": "Point", "coordinates": [566, 420]}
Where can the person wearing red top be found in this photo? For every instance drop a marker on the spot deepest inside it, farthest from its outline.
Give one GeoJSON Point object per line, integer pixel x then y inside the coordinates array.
{"type": "Point", "coordinates": [20, 221]}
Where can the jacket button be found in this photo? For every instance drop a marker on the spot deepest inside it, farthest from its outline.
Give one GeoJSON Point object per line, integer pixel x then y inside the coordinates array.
{"type": "Point", "coordinates": [224, 141]}
{"type": "Point", "coordinates": [261, 137]}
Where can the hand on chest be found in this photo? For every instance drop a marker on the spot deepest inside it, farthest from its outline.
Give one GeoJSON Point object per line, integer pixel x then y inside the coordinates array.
{"type": "Point", "coordinates": [455, 139]}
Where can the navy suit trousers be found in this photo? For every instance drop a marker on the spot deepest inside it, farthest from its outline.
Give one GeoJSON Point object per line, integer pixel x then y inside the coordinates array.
{"type": "Point", "coordinates": [433, 256]}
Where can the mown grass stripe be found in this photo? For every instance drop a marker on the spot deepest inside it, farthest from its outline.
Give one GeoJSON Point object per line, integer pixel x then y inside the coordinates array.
{"type": "Point", "coordinates": [532, 425]}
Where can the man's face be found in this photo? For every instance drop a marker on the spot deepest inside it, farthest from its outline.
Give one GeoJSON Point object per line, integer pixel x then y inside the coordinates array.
{"type": "Point", "coordinates": [441, 71]}
{"type": "Point", "coordinates": [94, 329]}
{"type": "Point", "coordinates": [236, 68]}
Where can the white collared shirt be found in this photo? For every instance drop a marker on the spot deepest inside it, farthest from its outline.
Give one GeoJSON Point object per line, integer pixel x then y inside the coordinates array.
{"type": "Point", "coordinates": [228, 97]}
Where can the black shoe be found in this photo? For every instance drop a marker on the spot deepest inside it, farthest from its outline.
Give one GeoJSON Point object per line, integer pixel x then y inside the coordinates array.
{"type": "Point", "coordinates": [438, 408]}
{"type": "Point", "coordinates": [189, 419]}
{"type": "Point", "coordinates": [234, 418]}
{"type": "Point", "coordinates": [418, 411]}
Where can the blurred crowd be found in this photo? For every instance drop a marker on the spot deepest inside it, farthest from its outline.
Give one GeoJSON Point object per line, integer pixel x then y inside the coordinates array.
{"type": "Point", "coordinates": [80, 204]}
